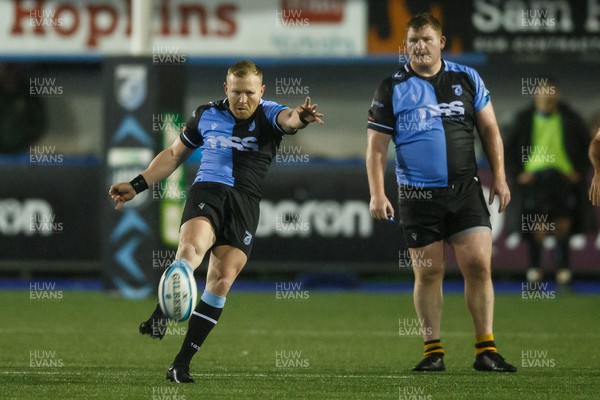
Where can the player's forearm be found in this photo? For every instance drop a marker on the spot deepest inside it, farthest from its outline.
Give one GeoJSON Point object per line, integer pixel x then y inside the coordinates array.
{"type": "Point", "coordinates": [376, 165]}
{"type": "Point", "coordinates": [494, 151]}
{"type": "Point", "coordinates": [162, 166]}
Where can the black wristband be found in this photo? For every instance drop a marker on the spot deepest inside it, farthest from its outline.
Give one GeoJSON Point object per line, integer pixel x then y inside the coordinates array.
{"type": "Point", "coordinates": [139, 184]}
{"type": "Point", "coordinates": [305, 122]}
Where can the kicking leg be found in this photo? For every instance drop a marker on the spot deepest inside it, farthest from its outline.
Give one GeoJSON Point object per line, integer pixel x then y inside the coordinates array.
{"type": "Point", "coordinates": [225, 264]}
{"type": "Point", "coordinates": [195, 238]}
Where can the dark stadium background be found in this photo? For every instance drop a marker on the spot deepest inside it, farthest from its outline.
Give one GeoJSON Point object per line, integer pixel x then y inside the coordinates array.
{"type": "Point", "coordinates": [339, 246]}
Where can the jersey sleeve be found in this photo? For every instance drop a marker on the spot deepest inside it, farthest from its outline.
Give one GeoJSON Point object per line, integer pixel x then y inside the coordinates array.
{"type": "Point", "coordinates": [272, 110]}
{"type": "Point", "coordinates": [381, 113]}
{"type": "Point", "coordinates": [482, 95]}
{"type": "Point", "coordinates": [190, 136]}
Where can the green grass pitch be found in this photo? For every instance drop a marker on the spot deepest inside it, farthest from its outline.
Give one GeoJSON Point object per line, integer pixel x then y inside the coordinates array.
{"type": "Point", "coordinates": [328, 346]}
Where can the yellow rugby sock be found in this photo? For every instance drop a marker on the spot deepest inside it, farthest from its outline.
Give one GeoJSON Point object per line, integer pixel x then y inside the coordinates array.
{"type": "Point", "coordinates": [485, 343]}
{"type": "Point", "coordinates": [433, 347]}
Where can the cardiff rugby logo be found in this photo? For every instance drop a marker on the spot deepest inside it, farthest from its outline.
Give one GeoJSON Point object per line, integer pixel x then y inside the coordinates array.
{"type": "Point", "coordinates": [457, 89]}
{"type": "Point", "coordinates": [131, 85]}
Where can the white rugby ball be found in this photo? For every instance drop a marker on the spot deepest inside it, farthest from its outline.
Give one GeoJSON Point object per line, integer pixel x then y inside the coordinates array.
{"type": "Point", "coordinates": [177, 291]}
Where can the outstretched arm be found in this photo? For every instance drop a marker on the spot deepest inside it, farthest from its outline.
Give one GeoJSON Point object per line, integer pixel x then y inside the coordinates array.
{"type": "Point", "coordinates": [377, 147]}
{"type": "Point", "coordinates": [293, 119]}
{"type": "Point", "coordinates": [594, 154]}
{"type": "Point", "coordinates": [494, 151]}
{"type": "Point", "coordinates": [161, 167]}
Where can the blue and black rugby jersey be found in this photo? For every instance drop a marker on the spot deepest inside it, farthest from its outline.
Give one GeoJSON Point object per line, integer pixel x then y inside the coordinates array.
{"type": "Point", "coordinates": [432, 121]}
{"type": "Point", "coordinates": [236, 153]}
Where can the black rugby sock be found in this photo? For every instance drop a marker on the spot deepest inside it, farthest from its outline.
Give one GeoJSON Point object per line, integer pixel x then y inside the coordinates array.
{"type": "Point", "coordinates": [202, 321]}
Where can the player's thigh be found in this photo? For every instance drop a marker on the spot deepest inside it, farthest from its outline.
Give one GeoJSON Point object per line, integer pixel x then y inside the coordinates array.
{"type": "Point", "coordinates": [473, 251]}
{"type": "Point", "coordinates": [428, 261]}
{"type": "Point", "coordinates": [197, 232]}
{"type": "Point", "coordinates": [225, 264]}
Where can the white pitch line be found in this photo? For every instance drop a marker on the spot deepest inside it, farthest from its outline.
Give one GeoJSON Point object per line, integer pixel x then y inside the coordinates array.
{"type": "Point", "coordinates": [237, 375]}
{"type": "Point", "coordinates": [279, 375]}
{"type": "Point", "coordinates": [38, 373]}
{"type": "Point", "coordinates": [394, 333]}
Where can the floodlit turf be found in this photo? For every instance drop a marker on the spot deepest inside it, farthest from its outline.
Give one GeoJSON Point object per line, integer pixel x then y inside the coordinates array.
{"type": "Point", "coordinates": [328, 346]}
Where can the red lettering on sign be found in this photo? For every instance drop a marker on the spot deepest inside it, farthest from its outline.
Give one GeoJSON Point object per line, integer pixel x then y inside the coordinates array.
{"type": "Point", "coordinates": [328, 11]}
{"type": "Point", "coordinates": [26, 14]}
{"type": "Point", "coordinates": [60, 25]}
{"type": "Point", "coordinates": [225, 14]}
{"type": "Point", "coordinates": [95, 30]}
{"type": "Point", "coordinates": [187, 11]}
{"type": "Point", "coordinates": [106, 19]}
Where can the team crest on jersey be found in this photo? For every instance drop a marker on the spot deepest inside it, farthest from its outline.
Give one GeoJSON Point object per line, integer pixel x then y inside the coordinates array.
{"type": "Point", "coordinates": [457, 89]}
{"type": "Point", "coordinates": [252, 126]}
{"type": "Point", "coordinates": [247, 238]}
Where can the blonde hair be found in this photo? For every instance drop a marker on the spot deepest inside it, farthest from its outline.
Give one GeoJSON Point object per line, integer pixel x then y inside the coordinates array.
{"type": "Point", "coordinates": [243, 68]}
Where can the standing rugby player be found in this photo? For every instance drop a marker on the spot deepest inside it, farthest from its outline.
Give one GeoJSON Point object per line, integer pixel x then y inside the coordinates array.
{"type": "Point", "coordinates": [239, 137]}
{"type": "Point", "coordinates": [429, 108]}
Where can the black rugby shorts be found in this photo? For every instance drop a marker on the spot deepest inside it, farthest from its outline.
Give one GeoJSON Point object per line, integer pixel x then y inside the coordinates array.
{"type": "Point", "coordinates": [432, 214]}
{"type": "Point", "coordinates": [233, 213]}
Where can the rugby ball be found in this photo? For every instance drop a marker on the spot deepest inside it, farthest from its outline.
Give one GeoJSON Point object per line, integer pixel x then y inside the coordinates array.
{"type": "Point", "coordinates": [177, 291]}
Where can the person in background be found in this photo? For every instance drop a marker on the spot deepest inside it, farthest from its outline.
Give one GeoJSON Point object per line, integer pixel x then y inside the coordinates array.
{"type": "Point", "coordinates": [547, 160]}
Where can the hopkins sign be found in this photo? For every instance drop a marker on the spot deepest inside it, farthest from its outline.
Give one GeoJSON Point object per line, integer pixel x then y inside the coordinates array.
{"type": "Point", "coordinates": [187, 27]}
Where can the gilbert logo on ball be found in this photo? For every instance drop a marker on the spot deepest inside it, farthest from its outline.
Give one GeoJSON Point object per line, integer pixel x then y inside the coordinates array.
{"type": "Point", "coordinates": [177, 291]}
